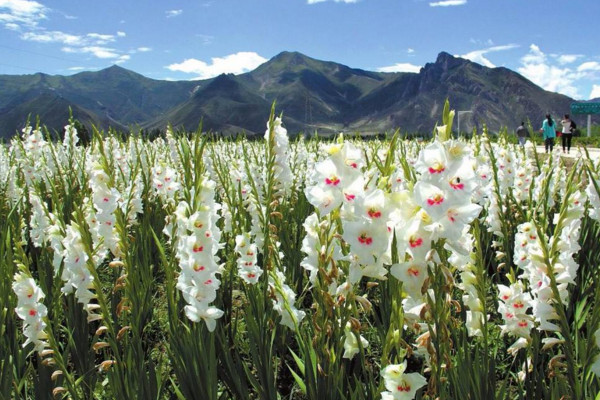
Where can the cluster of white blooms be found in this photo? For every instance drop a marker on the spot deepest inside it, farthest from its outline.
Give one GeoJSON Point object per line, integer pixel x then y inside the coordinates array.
{"type": "Point", "coordinates": [55, 235]}
{"type": "Point", "coordinates": [76, 273]}
{"type": "Point", "coordinates": [127, 180]}
{"type": "Point", "coordinates": [462, 258]}
{"type": "Point", "coordinates": [523, 177]}
{"type": "Point", "coordinates": [172, 142]}
{"type": "Point", "coordinates": [31, 310]}
{"type": "Point", "coordinates": [494, 190]}
{"type": "Point", "coordinates": [336, 179]}
{"type": "Point", "coordinates": [132, 204]}
{"type": "Point", "coordinates": [564, 265]}
{"type": "Point", "coordinates": [513, 306]}
{"type": "Point", "coordinates": [253, 201]}
{"type": "Point", "coordinates": [440, 206]}
{"type": "Point", "coordinates": [505, 162]}
{"type": "Point", "coordinates": [197, 242]}
{"type": "Point", "coordinates": [71, 138]}
{"type": "Point", "coordinates": [284, 300]}
{"type": "Point", "coordinates": [39, 221]}
{"type": "Point", "coordinates": [593, 196]}
{"type": "Point", "coordinates": [285, 297]}
{"type": "Point", "coordinates": [528, 256]}
{"type": "Point", "coordinates": [102, 218]}
{"type": "Point", "coordinates": [338, 182]}
{"type": "Point", "coordinates": [400, 385]}
{"type": "Point", "coordinates": [9, 174]}
{"type": "Point", "coordinates": [445, 187]}
{"type": "Point", "coordinates": [368, 231]}
{"type": "Point", "coordinates": [248, 269]}
{"type": "Point", "coordinates": [311, 246]}
{"type": "Point", "coordinates": [549, 182]}
{"type": "Point", "coordinates": [277, 137]}
{"type": "Point", "coordinates": [493, 219]}
{"type": "Point", "coordinates": [31, 155]}
{"type": "Point", "coordinates": [165, 182]}
{"type": "Point", "coordinates": [484, 175]}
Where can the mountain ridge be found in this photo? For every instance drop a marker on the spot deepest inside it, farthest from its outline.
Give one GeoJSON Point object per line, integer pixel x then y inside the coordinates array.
{"type": "Point", "coordinates": [312, 95]}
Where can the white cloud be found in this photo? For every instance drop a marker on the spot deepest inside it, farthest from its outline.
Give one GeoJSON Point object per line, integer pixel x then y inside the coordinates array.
{"type": "Point", "coordinates": [96, 51]}
{"type": "Point", "coordinates": [595, 93]}
{"type": "Point", "coordinates": [122, 59]}
{"type": "Point", "coordinates": [68, 39]}
{"type": "Point", "coordinates": [90, 43]}
{"type": "Point", "coordinates": [400, 67]}
{"type": "Point", "coordinates": [478, 56]}
{"type": "Point", "coordinates": [144, 49]}
{"type": "Point", "coordinates": [53, 37]}
{"type": "Point", "coordinates": [536, 67]}
{"type": "Point", "coordinates": [410, 51]}
{"type": "Point", "coordinates": [336, 1]}
{"type": "Point", "coordinates": [121, 34]}
{"type": "Point", "coordinates": [448, 3]}
{"type": "Point", "coordinates": [21, 13]}
{"type": "Point", "coordinates": [173, 13]}
{"type": "Point", "coordinates": [98, 38]}
{"type": "Point", "coordinates": [567, 58]}
{"type": "Point", "coordinates": [232, 64]}
{"type": "Point", "coordinates": [589, 66]}
{"type": "Point", "coordinates": [76, 69]}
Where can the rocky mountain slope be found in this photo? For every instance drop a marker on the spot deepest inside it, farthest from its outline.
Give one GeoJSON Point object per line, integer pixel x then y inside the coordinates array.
{"type": "Point", "coordinates": [313, 95]}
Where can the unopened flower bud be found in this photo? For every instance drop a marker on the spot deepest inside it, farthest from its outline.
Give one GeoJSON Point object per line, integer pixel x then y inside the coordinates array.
{"type": "Point", "coordinates": [122, 332]}
{"type": "Point", "coordinates": [116, 264]}
{"type": "Point", "coordinates": [105, 365]}
{"type": "Point", "coordinates": [46, 352]}
{"type": "Point", "coordinates": [56, 374]}
{"type": "Point", "coordinates": [99, 345]}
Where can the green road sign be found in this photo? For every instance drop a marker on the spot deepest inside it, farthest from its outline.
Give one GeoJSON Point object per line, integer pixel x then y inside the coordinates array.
{"type": "Point", "coordinates": [585, 108]}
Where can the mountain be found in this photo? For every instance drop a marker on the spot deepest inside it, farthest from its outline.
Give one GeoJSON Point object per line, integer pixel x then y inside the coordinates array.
{"type": "Point", "coordinates": [312, 95]}
{"type": "Point", "coordinates": [223, 105]}
{"type": "Point", "coordinates": [113, 97]}
{"type": "Point", "coordinates": [53, 111]}
{"type": "Point", "coordinates": [495, 96]}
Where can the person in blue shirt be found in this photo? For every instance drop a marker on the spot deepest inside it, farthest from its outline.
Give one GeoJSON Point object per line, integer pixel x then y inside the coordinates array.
{"type": "Point", "coordinates": [548, 131]}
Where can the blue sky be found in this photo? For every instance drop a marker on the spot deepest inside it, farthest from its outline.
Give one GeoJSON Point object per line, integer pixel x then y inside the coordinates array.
{"type": "Point", "coordinates": [554, 43]}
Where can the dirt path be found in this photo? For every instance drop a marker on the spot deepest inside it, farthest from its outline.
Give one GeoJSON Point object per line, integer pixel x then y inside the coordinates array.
{"type": "Point", "coordinates": [576, 152]}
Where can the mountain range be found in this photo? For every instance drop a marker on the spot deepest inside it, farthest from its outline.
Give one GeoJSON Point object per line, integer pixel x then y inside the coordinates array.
{"type": "Point", "coordinates": [313, 95]}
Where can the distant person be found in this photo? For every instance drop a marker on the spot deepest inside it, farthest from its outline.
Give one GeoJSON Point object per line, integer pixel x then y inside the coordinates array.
{"type": "Point", "coordinates": [522, 133]}
{"type": "Point", "coordinates": [567, 133]}
{"type": "Point", "coordinates": [548, 133]}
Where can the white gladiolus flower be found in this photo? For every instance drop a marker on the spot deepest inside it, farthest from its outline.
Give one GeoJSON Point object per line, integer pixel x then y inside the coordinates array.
{"type": "Point", "coordinates": [31, 310]}
{"type": "Point", "coordinates": [196, 243]}
{"type": "Point", "coordinates": [351, 347]}
{"type": "Point", "coordinates": [400, 385]}
{"type": "Point", "coordinates": [248, 269]}
{"type": "Point", "coordinates": [284, 301]}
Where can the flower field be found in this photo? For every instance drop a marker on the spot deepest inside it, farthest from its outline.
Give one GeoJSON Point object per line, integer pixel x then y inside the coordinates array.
{"type": "Point", "coordinates": [191, 267]}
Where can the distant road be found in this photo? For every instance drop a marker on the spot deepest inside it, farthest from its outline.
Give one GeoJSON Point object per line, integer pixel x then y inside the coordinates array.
{"type": "Point", "coordinates": [575, 151]}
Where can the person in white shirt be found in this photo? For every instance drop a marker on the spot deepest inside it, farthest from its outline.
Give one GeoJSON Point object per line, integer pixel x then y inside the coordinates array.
{"type": "Point", "coordinates": [567, 135]}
